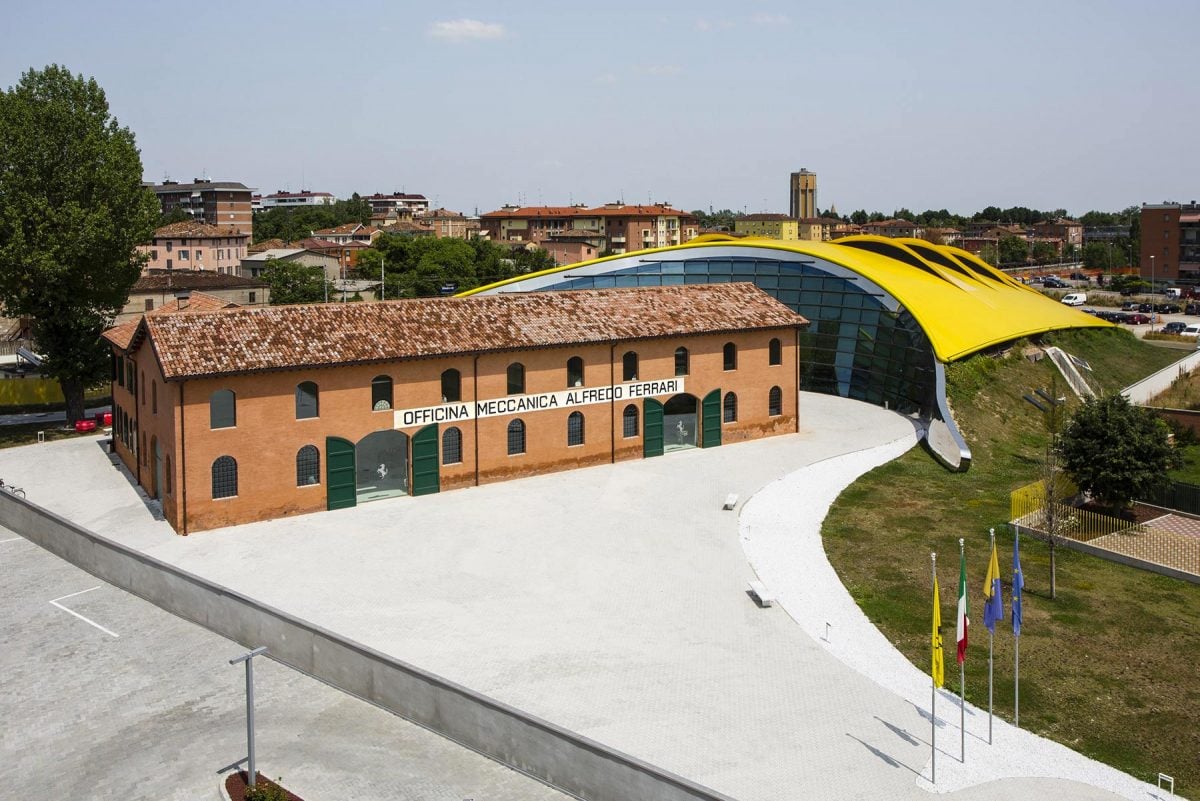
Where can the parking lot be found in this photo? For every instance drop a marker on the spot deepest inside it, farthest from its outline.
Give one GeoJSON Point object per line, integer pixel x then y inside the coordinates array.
{"type": "Point", "coordinates": [107, 696]}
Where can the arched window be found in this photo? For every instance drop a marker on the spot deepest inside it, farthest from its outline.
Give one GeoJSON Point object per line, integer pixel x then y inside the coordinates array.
{"type": "Point", "coordinates": [681, 361]}
{"type": "Point", "coordinates": [308, 466]}
{"type": "Point", "coordinates": [775, 402]}
{"type": "Point", "coordinates": [222, 409]}
{"type": "Point", "coordinates": [629, 421]}
{"type": "Point", "coordinates": [452, 446]}
{"type": "Point", "coordinates": [224, 477]}
{"type": "Point", "coordinates": [516, 438]}
{"type": "Point", "coordinates": [629, 366]}
{"type": "Point", "coordinates": [153, 397]}
{"type": "Point", "coordinates": [730, 408]}
{"type": "Point", "coordinates": [575, 371]}
{"type": "Point", "coordinates": [730, 353]}
{"type": "Point", "coordinates": [381, 393]}
{"type": "Point", "coordinates": [307, 400]}
{"type": "Point", "coordinates": [451, 386]}
{"type": "Point", "coordinates": [516, 379]}
{"type": "Point", "coordinates": [775, 352]}
{"type": "Point", "coordinates": [167, 474]}
{"type": "Point", "coordinates": [575, 428]}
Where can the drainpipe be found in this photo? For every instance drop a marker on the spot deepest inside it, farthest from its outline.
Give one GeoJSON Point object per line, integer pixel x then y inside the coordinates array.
{"type": "Point", "coordinates": [612, 402]}
{"type": "Point", "coordinates": [475, 417]}
{"type": "Point", "coordinates": [181, 460]}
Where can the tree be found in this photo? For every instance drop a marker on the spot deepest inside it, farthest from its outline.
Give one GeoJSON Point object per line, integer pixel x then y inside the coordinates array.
{"type": "Point", "coordinates": [293, 282]}
{"type": "Point", "coordinates": [1115, 451]}
{"type": "Point", "coordinates": [1013, 249]}
{"type": "Point", "coordinates": [72, 210]}
{"type": "Point", "coordinates": [175, 215]}
{"type": "Point", "coordinates": [1044, 251]}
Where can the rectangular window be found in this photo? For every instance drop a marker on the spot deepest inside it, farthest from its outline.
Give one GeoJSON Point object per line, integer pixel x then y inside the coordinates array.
{"type": "Point", "coordinates": [170, 263]}
{"type": "Point", "coordinates": [199, 255]}
{"type": "Point", "coordinates": [183, 255]}
{"type": "Point", "coordinates": [149, 304]}
{"type": "Point", "coordinates": [154, 255]}
{"type": "Point", "coordinates": [254, 297]}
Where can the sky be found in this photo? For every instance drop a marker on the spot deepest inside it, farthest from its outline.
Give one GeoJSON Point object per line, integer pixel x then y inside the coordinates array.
{"type": "Point", "coordinates": [956, 105]}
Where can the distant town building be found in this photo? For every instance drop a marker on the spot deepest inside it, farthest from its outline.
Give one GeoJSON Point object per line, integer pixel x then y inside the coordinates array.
{"type": "Point", "coordinates": [349, 232]}
{"type": "Point", "coordinates": [291, 200]}
{"type": "Point", "coordinates": [624, 227]}
{"type": "Point", "coordinates": [253, 264]}
{"type": "Point", "coordinates": [1068, 232]}
{"type": "Point", "coordinates": [382, 204]}
{"type": "Point", "coordinates": [894, 228]}
{"type": "Point", "coordinates": [446, 224]}
{"type": "Point", "coordinates": [1171, 241]}
{"type": "Point", "coordinates": [771, 226]}
{"type": "Point", "coordinates": [225, 203]}
{"type": "Point", "coordinates": [802, 194]}
{"type": "Point", "coordinates": [196, 246]}
{"type": "Point", "coordinates": [160, 287]}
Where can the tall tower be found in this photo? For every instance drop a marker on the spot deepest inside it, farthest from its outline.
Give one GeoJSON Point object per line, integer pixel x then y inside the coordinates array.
{"type": "Point", "coordinates": [803, 194]}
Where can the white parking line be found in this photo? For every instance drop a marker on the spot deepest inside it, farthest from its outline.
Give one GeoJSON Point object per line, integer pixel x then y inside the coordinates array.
{"type": "Point", "coordinates": [55, 603]}
{"type": "Point", "coordinates": [13, 539]}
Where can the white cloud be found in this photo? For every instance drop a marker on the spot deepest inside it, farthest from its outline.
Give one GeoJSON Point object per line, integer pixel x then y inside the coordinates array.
{"type": "Point", "coordinates": [662, 70]}
{"type": "Point", "coordinates": [761, 18]}
{"type": "Point", "coordinates": [465, 30]}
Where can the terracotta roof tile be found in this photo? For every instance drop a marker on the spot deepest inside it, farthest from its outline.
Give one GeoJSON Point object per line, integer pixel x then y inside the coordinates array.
{"type": "Point", "coordinates": [160, 280]}
{"type": "Point", "coordinates": [192, 229]}
{"type": "Point", "coordinates": [326, 335]}
{"type": "Point", "coordinates": [198, 303]}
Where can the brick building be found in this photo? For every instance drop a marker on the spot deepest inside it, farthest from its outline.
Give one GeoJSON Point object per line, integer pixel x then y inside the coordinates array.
{"type": "Point", "coordinates": [223, 203]}
{"type": "Point", "coordinates": [248, 414]}
{"type": "Point", "coordinates": [1170, 249]}
{"type": "Point", "coordinates": [623, 227]}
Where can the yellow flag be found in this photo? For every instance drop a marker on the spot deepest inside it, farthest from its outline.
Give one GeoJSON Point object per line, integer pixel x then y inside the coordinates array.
{"type": "Point", "coordinates": [937, 671]}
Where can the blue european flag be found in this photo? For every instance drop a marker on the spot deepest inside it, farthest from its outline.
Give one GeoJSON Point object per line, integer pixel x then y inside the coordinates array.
{"type": "Point", "coordinates": [1018, 582]}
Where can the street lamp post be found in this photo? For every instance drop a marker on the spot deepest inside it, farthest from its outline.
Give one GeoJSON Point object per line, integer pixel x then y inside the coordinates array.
{"type": "Point", "coordinates": [248, 658]}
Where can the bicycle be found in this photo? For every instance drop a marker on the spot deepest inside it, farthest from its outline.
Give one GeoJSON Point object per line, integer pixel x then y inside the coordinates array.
{"type": "Point", "coordinates": [11, 488]}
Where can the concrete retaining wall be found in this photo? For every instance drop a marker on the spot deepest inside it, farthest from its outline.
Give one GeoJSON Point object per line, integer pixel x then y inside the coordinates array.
{"type": "Point", "coordinates": [547, 752]}
{"type": "Point", "coordinates": [1151, 385]}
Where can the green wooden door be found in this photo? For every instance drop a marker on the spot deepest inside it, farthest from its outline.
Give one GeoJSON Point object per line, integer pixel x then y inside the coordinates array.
{"type": "Point", "coordinates": [711, 420]}
{"type": "Point", "coordinates": [425, 461]}
{"type": "Point", "coordinates": [652, 428]}
{"type": "Point", "coordinates": [339, 473]}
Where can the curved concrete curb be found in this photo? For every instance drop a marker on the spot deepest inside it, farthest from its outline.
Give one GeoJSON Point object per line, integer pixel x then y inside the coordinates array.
{"type": "Point", "coordinates": [780, 531]}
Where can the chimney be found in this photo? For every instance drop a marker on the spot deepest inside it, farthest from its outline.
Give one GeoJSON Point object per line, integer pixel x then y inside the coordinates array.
{"type": "Point", "coordinates": [183, 297]}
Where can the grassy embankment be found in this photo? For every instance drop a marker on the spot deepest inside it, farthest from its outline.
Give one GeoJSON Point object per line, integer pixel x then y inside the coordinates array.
{"type": "Point", "coordinates": [1112, 667]}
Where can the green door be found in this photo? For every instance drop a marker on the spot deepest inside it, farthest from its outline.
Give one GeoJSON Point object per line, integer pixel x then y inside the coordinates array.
{"type": "Point", "coordinates": [711, 420]}
{"type": "Point", "coordinates": [339, 473]}
{"type": "Point", "coordinates": [652, 428]}
{"type": "Point", "coordinates": [425, 461]}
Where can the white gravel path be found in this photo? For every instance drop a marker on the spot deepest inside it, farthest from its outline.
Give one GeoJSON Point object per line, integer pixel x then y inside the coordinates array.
{"type": "Point", "coordinates": [780, 531]}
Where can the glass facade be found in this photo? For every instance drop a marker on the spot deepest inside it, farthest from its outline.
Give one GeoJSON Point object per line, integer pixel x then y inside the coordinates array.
{"type": "Point", "coordinates": [861, 343]}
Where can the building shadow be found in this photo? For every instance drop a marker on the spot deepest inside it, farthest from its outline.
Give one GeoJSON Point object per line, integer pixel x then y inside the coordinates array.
{"type": "Point", "coordinates": [153, 506]}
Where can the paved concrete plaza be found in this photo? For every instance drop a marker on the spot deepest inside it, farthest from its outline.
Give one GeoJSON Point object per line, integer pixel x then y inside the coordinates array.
{"type": "Point", "coordinates": [609, 600]}
{"type": "Point", "coordinates": [135, 703]}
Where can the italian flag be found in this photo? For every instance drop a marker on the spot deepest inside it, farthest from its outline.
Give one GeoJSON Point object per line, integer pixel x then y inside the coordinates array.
{"type": "Point", "coordinates": [963, 620]}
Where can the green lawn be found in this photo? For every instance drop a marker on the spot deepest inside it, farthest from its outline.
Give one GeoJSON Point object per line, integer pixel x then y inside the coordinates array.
{"type": "Point", "coordinates": [26, 433]}
{"type": "Point", "coordinates": [1112, 667]}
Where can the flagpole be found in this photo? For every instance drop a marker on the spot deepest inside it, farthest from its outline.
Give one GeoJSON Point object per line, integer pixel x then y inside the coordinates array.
{"type": "Point", "coordinates": [991, 652]}
{"type": "Point", "coordinates": [1016, 645]}
{"type": "Point", "coordinates": [962, 683]}
{"type": "Point", "coordinates": [933, 699]}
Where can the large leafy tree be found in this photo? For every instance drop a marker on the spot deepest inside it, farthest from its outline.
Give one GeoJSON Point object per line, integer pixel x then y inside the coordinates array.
{"type": "Point", "coordinates": [293, 282]}
{"type": "Point", "coordinates": [1115, 451]}
{"type": "Point", "coordinates": [72, 210]}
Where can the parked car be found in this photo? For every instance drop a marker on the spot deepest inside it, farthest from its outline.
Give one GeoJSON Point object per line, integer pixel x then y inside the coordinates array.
{"type": "Point", "coordinates": [1174, 327]}
{"type": "Point", "coordinates": [1075, 298]}
{"type": "Point", "coordinates": [1146, 308]}
{"type": "Point", "coordinates": [1137, 318]}
{"type": "Point", "coordinates": [1051, 282]}
{"type": "Point", "coordinates": [1166, 308]}
{"type": "Point", "coordinates": [1129, 305]}
{"type": "Point", "coordinates": [1078, 277]}
{"type": "Point", "coordinates": [1192, 308]}
{"type": "Point", "coordinates": [1191, 330]}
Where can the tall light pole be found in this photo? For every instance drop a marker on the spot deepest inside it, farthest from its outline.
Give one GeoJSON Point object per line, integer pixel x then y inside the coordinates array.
{"type": "Point", "coordinates": [248, 658]}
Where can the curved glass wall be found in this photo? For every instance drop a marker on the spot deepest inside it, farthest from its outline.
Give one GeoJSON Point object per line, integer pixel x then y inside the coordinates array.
{"type": "Point", "coordinates": [861, 343]}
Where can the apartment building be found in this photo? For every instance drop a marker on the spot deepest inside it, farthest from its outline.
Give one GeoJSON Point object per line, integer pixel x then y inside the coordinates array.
{"type": "Point", "coordinates": [771, 226]}
{"type": "Point", "coordinates": [382, 204]}
{"type": "Point", "coordinates": [224, 203]}
{"type": "Point", "coordinates": [196, 246]}
{"type": "Point", "coordinates": [292, 200]}
{"type": "Point", "coordinates": [1170, 241]}
{"type": "Point", "coordinates": [624, 227]}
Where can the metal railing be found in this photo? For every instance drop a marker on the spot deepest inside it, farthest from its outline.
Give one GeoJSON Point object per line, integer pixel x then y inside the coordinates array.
{"type": "Point", "coordinates": [1168, 540]}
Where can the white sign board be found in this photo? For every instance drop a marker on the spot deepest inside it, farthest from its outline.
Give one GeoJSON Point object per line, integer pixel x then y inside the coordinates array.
{"type": "Point", "coordinates": [523, 404]}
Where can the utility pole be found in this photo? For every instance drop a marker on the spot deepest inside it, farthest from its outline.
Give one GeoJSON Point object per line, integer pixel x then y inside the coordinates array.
{"type": "Point", "coordinates": [248, 658]}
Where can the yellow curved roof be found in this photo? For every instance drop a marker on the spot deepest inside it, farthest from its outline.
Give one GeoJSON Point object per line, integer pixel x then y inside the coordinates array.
{"type": "Point", "coordinates": [962, 303]}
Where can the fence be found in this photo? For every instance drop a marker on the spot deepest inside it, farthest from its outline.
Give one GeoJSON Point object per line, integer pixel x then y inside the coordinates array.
{"type": "Point", "coordinates": [1176, 495]}
{"type": "Point", "coordinates": [1168, 544]}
